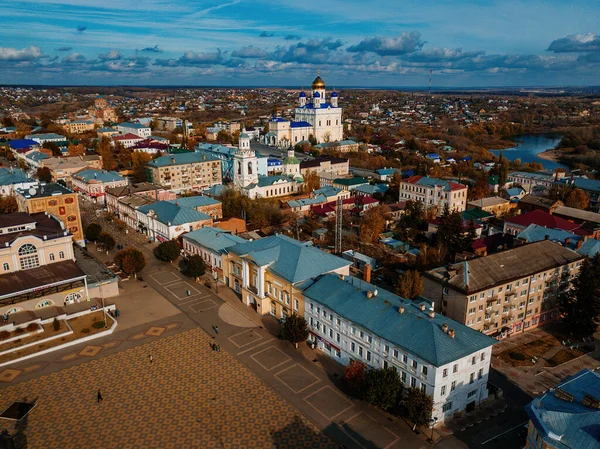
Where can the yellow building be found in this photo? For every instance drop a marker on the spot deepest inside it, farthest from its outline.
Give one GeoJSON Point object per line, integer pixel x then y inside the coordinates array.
{"type": "Point", "coordinates": [270, 273]}
{"type": "Point", "coordinates": [57, 200]}
{"type": "Point", "coordinates": [79, 126]}
{"type": "Point", "coordinates": [493, 204]}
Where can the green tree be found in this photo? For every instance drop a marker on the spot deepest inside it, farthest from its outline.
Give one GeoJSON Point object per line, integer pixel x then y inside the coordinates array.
{"type": "Point", "coordinates": [382, 388]}
{"type": "Point", "coordinates": [106, 241]}
{"type": "Point", "coordinates": [93, 231]}
{"type": "Point", "coordinates": [195, 266]}
{"type": "Point", "coordinates": [167, 251]}
{"type": "Point", "coordinates": [580, 305]}
{"type": "Point", "coordinates": [224, 137]}
{"type": "Point", "coordinates": [410, 284]}
{"type": "Point", "coordinates": [52, 146]}
{"type": "Point", "coordinates": [452, 234]}
{"type": "Point", "coordinates": [130, 261]}
{"type": "Point", "coordinates": [417, 407]}
{"type": "Point", "coordinates": [413, 214]}
{"type": "Point", "coordinates": [44, 174]}
{"type": "Point", "coordinates": [295, 329]}
{"type": "Point", "coordinates": [503, 168]}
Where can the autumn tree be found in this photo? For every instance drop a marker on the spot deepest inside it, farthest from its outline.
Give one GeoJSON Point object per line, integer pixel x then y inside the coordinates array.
{"type": "Point", "coordinates": [372, 224]}
{"type": "Point", "coordinates": [8, 205]}
{"type": "Point", "coordinates": [354, 375]}
{"type": "Point", "coordinates": [410, 284]}
{"type": "Point", "coordinates": [106, 240]}
{"type": "Point", "coordinates": [480, 190]}
{"type": "Point", "coordinates": [44, 174]}
{"type": "Point", "coordinates": [52, 146]}
{"type": "Point", "coordinates": [125, 157]}
{"type": "Point", "coordinates": [139, 159]}
{"type": "Point", "coordinates": [22, 130]}
{"type": "Point", "coordinates": [130, 261]}
{"type": "Point", "coordinates": [104, 150]}
{"type": "Point", "coordinates": [577, 198]}
{"type": "Point", "coordinates": [312, 182]}
{"type": "Point", "coordinates": [76, 150]}
{"type": "Point", "coordinates": [224, 136]}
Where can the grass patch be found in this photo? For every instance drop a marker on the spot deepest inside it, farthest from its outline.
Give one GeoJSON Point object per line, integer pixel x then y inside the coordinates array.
{"type": "Point", "coordinates": [48, 332]}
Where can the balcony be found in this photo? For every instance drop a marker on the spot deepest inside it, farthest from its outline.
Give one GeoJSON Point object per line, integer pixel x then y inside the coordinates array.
{"type": "Point", "coordinates": [253, 289]}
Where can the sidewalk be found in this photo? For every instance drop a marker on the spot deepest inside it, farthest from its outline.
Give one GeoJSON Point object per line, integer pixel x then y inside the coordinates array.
{"type": "Point", "coordinates": [475, 417]}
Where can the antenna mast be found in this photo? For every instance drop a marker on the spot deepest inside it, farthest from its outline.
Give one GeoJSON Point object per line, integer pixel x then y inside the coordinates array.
{"type": "Point", "coordinates": [338, 226]}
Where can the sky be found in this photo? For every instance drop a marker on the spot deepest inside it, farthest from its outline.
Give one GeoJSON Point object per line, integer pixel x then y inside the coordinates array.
{"type": "Point", "coordinates": [369, 43]}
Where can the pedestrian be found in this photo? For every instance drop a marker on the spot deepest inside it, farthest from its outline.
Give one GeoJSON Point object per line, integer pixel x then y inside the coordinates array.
{"type": "Point", "coordinates": [99, 397]}
{"type": "Point", "coordinates": [218, 348]}
{"type": "Point", "coordinates": [212, 346]}
{"type": "Point", "coordinates": [217, 329]}
{"type": "Point", "coordinates": [150, 357]}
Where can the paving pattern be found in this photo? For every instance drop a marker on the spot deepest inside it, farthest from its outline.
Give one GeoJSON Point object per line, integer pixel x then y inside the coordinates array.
{"type": "Point", "coordinates": [189, 396]}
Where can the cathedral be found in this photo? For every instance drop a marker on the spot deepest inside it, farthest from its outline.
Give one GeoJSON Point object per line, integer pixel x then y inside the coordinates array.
{"type": "Point", "coordinates": [314, 116]}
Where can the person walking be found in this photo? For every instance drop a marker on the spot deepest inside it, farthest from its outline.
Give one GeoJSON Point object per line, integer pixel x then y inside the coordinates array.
{"type": "Point", "coordinates": [150, 358]}
{"type": "Point", "coordinates": [99, 397]}
{"type": "Point", "coordinates": [217, 329]}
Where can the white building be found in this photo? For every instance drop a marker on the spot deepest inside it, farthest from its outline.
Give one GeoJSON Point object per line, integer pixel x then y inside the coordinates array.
{"type": "Point", "coordinates": [433, 192]}
{"type": "Point", "coordinates": [134, 128]}
{"type": "Point", "coordinates": [49, 137]}
{"type": "Point", "coordinates": [317, 117]}
{"type": "Point", "coordinates": [349, 319]}
{"type": "Point", "coordinates": [165, 220]}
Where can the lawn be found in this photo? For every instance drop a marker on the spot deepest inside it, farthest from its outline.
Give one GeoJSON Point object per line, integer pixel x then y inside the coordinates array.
{"type": "Point", "coordinates": [82, 327]}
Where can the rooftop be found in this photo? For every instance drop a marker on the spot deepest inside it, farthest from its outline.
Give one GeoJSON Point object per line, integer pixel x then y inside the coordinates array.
{"type": "Point", "coordinates": [413, 330]}
{"type": "Point", "coordinates": [132, 125]}
{"type": "Point", "coordinates": [348, 182]}
{"type": "Point", "coordinates": [434, 182]}
{"type": "Point", "coordinates": [181, 159]}
{"type": "Point", "coordinates": [95, 175]}
{"type": "Point", "coordinates": [503, 267]}
{"type": "Point", "coordinates": [562, 419]}
{"type": "Point", "coordinates": [488, 202]}
{"type": "Point", "coordinates": [539, 201]}
{"type": "Point", "coordinates": [13, 176]}
{"type": "Point", "coordinates": [131, 189]}
{"type": "Point", "coordinates": [578, 214]}
{"type": "Point", "coordinates": [193, 202]}
{"type": "Point", "coordinates": [34, 278]}
{"type": "Point", "coordinates": [44, 190]}
{"type": "Point", "coordinates": [40, 225]}
{"type": "Point", "coordinates": [542, 218]}
{"type": "Point", "coordinates": [535, 233]}
{"type": "Point", "coordinates": [172, 214]}
{"type": "Point", "coordinates": [214, 239]}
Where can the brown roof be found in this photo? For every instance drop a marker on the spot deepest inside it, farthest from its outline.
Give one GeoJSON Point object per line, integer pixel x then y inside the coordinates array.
{"type": "Point", "coordinates": [131, 189]}
{"type": "Point", "coordinates": [45, 225]}
{"type": "Point", "coordinates": [497, 269]}
{"type": "Point", "coordinates": [316, 162]}
{"type": "Point", "coordinates": [40, 277]}
{"type": "Point", "coordinates": [539, 201]}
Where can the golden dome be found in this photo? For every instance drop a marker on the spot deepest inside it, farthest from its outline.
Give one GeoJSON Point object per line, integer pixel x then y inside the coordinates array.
{"type": "Point", "coordinates": [318, 83]}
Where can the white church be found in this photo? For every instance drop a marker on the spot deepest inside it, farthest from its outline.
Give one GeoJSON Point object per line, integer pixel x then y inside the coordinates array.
{"type": "Point", "coordinates": [248, 180]}
{"type": "Point", "coordinates": [313, 116]}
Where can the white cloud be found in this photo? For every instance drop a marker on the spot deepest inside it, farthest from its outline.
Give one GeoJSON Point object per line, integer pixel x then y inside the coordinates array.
{"type": "Point", "coordinates": [14, 54]}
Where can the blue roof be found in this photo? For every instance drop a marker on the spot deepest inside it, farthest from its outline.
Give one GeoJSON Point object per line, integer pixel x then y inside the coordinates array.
{"type": "Point", "coordinates": [216, 190]}
{"type": "Point", "coordinates": [413, 330]}
{"type": "Point", "coordinates": [566, 424]}
{"type": "Point", "coordinates": [272, 162]}
{"type": "Point", "coordinates": [181, 159]}
{"type": "Point", "coordinates": [316, 95]}
{"type": "Point", "coordinates": [590, 248]}
{"type": "Point", "coordinates": [432, 182]}
{"type": "Point", "coordinates": [319, 199]}
{"type": "Point", "coordinates": [278, 119]}
{"type": "Point", "coordinates": [264, 181]}
{"type": "Point", "coordinates": [433, 156]}
{"type": "Point", "coordinates": [195, 201]}
{"type": "Point", "coordinates": [132, 125]}
{"type": "Point", "coordinates": [172, 214]}
{"type": "Point", "coordinates": [372, 189]}
{"type": "Point", "coordinates": [300, 125]}
{"type": "Point", "coordinates": [334, 94]}
{"type": "Point", "coordinates": [302, 94]}
{"type": "Point", "coordinates": [37, 156]}
{"type": "Point", "coordinates": [327, 191]}
{"type": "Point", "coordinates": [323, 105]}
{"type": "Point", "coordinates": [90, 174]}
{"type": "Point", "coordinates": [14, 176]}
{"type": "Point", "coordinates": [387, 171]}
{"type": "Point", "coordinates": [290, 259]}
{"type": "Point", "coordinates": [216, 148]}
{"type": "Point", "coordinates": [592, 185]}
{"type": "Point", "coordinates": [20, 144]}
{"type": "Point", "coordinates": [48, 136]}
{"type": "Point", "coordinates": [214, 239]}
{"type": "Point", "coordinates": [515, 191]}
{"type": "Point", "coordinates": [106, 129]}
{"type": "Point", "coordinates": [535, 233]}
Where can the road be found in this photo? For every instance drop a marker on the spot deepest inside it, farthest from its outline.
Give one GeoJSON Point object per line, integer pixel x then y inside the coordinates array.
{"type": "Point", "coordinates": [502, 431]}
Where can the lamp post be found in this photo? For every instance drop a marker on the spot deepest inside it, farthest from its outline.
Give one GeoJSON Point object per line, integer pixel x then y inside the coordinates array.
{"type": "Point", "coordinates": [432, 422]}
{"type": "Point", "coordinates": [216, 278]}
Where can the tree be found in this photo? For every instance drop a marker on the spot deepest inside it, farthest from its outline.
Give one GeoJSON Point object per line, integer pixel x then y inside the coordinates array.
{"type": "Point", "coordinates": [382, 388]}
{"type": "Point", "coordinates": [580, 305]}
{"type": "Point", "coordinates": [44, 174]}
{"type": "Point", "coordinates": [139, 159]}
{"type": "Point", "coordinates": [93, 231]}
{"type": "Point", "coordinates": [104, 150]}
{"type": "Point", "coordinates": [312, 182]}
{"type": "Point", "coordinates": [106, 241]}
{"type": "Point", "coordinates": [577, 198]}
{"type": "Point", "coordinates": [224, 137]}
{"type": "Point", "coordinates": [503, 168]}
{"type": "Point", "coordinates": [22, 130]}
{"type": "Point", "coordinates": [130, 261]}
{"type": "Point", "coordinates": [372, 224]}
{"type": "Point", "coordinates": [480, 190]}
{"type": "Point", "coordinates": [295, 329]}
{"type": "Point", "coordinates": [52, 146]}
{"type": "Point", "coordinates": [410, 284]}
{"type": "Point", "coordinates": [354, 375]}
{"type": "Point", "coordinates": [417, 407]}
{"type": "Point", "coordinates": [195, 266]}
{"type": "Point", "coordinates": [167, 251]}
{"type": "Point", "coordinates": [8, 205]}
{"type": "Point", "coordinates": [452, 234]}
{"type": "Point", "coordinates": [76, 150]}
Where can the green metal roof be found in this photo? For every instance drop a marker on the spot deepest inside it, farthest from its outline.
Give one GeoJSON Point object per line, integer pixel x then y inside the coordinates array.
{"type": "Point", "coordinates": [413, 331]}
{"type": "Point", "coordinates": [172, 214]}
{"type": "Point", "coordinates": [193, 202]}
{"type": "Point", "coordinates": [214, 239]}
{"type": "Point", "coordinates": [181, 159]}
{"type": "Point", "coordinates": [91, 174]}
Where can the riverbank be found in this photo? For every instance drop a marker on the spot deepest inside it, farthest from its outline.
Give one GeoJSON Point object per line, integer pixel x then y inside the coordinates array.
{"type": "Point", "coordinates": [550, 155]}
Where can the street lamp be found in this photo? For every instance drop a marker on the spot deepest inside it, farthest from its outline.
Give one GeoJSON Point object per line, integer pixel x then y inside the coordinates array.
{"type": "Point", "coordinates": [432, 422]}
{"type": "Point", "coordinates": [216, 278]}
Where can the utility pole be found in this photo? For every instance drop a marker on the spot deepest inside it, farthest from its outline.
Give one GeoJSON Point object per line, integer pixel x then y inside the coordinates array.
{"type": "Point", "coordinates": [338, 226]}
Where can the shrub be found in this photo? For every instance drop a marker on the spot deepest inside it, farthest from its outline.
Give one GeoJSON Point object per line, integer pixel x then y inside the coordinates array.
{"type": "Point", "coordinates": [85, 330]}
{"type": "Point", "coordinates": [32, 327]}
{"type": "Point", "coordinates": [19, 330]}
{"type": "Point", "coordinates": [56, 324]}
{"type": "Point", "coordinates": [516, 356]}
{"type": "Point", "coordinates": [98, 324]}
{"type": "Point", "coordinates": [4, 335]}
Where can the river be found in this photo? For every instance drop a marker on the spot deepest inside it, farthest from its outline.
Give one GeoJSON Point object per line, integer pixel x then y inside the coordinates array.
{"type": "Point", "coordinates": [529, 145]}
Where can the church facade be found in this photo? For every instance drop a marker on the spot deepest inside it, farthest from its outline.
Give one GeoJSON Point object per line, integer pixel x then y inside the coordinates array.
{"type": "Point", "coordinates": [314, 116]}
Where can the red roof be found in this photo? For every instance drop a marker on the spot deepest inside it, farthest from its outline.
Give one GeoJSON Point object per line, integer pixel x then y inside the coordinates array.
{"type": "Point", "coordinates": [128, 136]}
{"type": "Point", "coordinates": [323, 209]}
{"type": "Point", "coordinates": [542, 218]}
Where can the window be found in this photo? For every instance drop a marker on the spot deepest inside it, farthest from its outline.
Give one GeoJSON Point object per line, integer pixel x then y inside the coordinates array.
{"type": "Point", "coordinates": [368, 356]}
{"type": "Point", "coordinates": [405, 358]}
{"type": "Point", "coordinates": [443, 391]}
{"type": "Point", "coordinates": [480, 374]}
{"type": "Point", "coordinates": [403, 377]}
{"type": "Point", "coordinates": [395, 353]}
{"type": "Point", "coordinates": [337, 321]}
{"type": "Point", "coordinates": [424, 370]}
{"type": "Point", "coordinates": [473, 360]}
{"type": "Point", "coordinates": [28, 257]}
{"type": "Point", "coordinates": [423, 388]}
{"type": "Point", "coordinates": [455, 368]}
{"type": "Point", "coordinates": [51, 257]}
{"type": "Point", "coordinates": [337, 337]}
{"type": "Point", "coordinates": [413, 382]}
{"type": "Point", "coordinates": [360, 351]}
{"type": "Point", "coordinates": [472, 378]}
{"type": "Point", "coordinates": [352, 347]}
{"type": "Point", "coordinates": [447, 406]}
{"type": "Point", "coordinates": [453, 386]}
{"type": "Point", "coordinates": [482, 356]}
{"type": "Point", "coordinates": [273, 309]}
{"type": "Point", "coordinates": [414, 364]}
{"type": "Point", "coordinates": [445, 291]}
{"type": "Point", "coordinates": [6, 267]}
{"type": "Point", "coordinates": [472, 311]}
{"type": "Point", "coordinates": [296, 304]}
{"type": "Point", "coordinates": [472, 393]}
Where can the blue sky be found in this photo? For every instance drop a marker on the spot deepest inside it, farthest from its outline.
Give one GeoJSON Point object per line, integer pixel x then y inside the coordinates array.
{"type": "Point", "coordinates": [373, 43]}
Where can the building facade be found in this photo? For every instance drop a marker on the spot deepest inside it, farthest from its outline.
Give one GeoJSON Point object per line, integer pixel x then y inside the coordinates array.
{"type": "Point", "coordinates": [93, 183]}
{"type": "Point", "coordinates": [507, 292]}
{"type": "Point", "coordinates": [166, 220]}
{"type": "Point", "coordinates": [134, 128]}
{"type": "Point", "coordinates": [434, 193]}
{"type": "Point", "coordinates": [186, 171]}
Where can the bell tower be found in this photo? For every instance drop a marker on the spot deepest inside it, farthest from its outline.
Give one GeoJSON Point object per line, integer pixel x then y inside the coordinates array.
{"type": "Point", "coordinates": [245, 163]}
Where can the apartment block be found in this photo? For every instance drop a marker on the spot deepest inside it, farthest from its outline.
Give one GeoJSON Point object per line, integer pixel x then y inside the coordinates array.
{"type": "Point", "coordinates": [186, 171]}
{"type": "Point", "coordinates": [434, 193]}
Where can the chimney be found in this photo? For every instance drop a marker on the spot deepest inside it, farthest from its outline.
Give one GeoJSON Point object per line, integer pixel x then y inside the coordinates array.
{"type": "Point", "coordinates": [546, 237]}
{"type": "Point", "coordinates": [173, 160]}
{"type": "Point", "coordinates": [579, 243]}
{"type": "Point", "coordinates": [341, 277]}
{"type": "Point", "coordinates": [369, 294]}
{"type": "Point", "coordinates": [422, 307]}
{"type": "Point", "coordinates": [444, 328]}
{"type": "Point", "coordinates": [567, 241]}
{"type": "Point", "coordinates": [432, 314]}
{"type": "Point", "coordinates": [451, 333]}
{"type": "Point", "coordinates": [367, 273]}
{"type": "Point", "coordinates": [401, 309]}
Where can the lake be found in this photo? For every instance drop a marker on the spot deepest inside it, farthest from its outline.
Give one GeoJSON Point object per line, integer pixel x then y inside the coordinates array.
{"type": "Point", "coordinates": [529, 145]}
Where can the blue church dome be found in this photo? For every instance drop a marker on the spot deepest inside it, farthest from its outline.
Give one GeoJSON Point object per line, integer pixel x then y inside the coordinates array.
{"type": "Point", "coordinates": [302, 95]}
{"type": "Point", "coordinates": [334, 94]}
{"type": "Point", "coordinates": [316, 95]}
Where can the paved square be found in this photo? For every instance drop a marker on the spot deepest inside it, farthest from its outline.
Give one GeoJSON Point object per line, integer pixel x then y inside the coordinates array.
{"type": "Point", "coordinates": [9, 374]}
{"type": "Point", "coordinates": [165, 277]}
{"type": "Point", "coordinates": [270, 358]}
{"type": "Point", "coordinates": [365, 426]}
{"type": "Point", "coordinates": [180, 290]}
{"type": "Point", "coordinates": [245, 338]}
{"type": "Point", "coordinates": [328, 402]}
{"type": "Point", "coordinates": [217, 403]}
{"type": "Point", "coordinates": [155, 331]}
{"type": "Point", "coordinates": [203, 306]}
{"type": "Point", "coordinates": [297, 378]}
{"type": "Point", "coordinates": [90, 351]}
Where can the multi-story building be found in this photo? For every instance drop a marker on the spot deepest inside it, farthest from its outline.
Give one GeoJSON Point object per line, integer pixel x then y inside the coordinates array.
{"type": "Point", "coordinates": [57, 200]}
{"type": "Point", "coordinates": [211, 244]}
{"type": "Point", "coordinates": [127, 140]}
{"type": "Point", "coordinates": [493, 204]}
{"type": "Point", "coordinates": [167, 220]}
{"type": "Point", "coordinates": [338, 166]}
{"type": "Point", "coordinates": [41, 267]}
{"type": "Point", "coordinates": [350, 319]}
{"type": "Point", "coordinates": [567, 416]}
{"type": "Point", "coordinates": [146, 189]}
{"type": "Point", "coordinates": [93, 183]}
{"type": "Point", "coordinates": [102, 111]}
{"type": "Point", "coordinates": [12, 179]}
{"type": "Point", "coordinates": [508, 292]}
{"type": "Point", "coordinates": [186, 171]}
{"type": "Point", "coordinates": [49, 137]}
{"type": "Point", "coordinates": [268, 273]}
{"type": "Point", "coordinates": [134, 128]}
{"type": "Point", "coordinates": [434, 193]}
{"type": "Point", "coordinates": [533, 182]}
{"type": "Point", "coordinates": [79, 126]}
{"type": "Point", "coordinates": [64, 167]}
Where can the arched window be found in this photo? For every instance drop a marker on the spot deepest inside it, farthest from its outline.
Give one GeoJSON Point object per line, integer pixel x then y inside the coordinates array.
{"type": "Point", "coordinates": [51, 257]}
{"type": "Point", "coordinates": [61, 255]}
{"type": "Point", "coordinates": [72, 297]}
{"type": "Point", "coordinates": [6, 267]}
{"type": "Point", "coordinates": [28, 256]}
{"type": "Point", "coordinates": [249, 168]}
{"type": "Point", "coordinates": [44, 303]}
